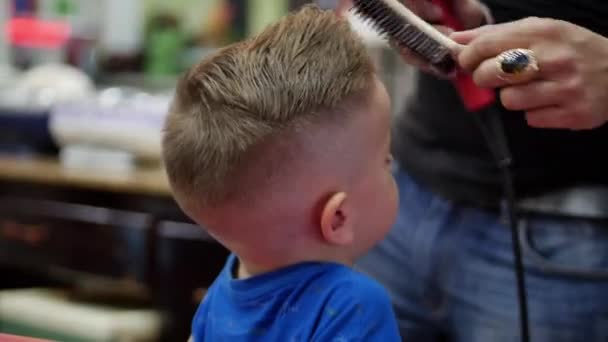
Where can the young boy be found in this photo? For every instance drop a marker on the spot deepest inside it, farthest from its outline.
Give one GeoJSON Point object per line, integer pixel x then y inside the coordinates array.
{"type": "Point", "coordinates": [279, 147]}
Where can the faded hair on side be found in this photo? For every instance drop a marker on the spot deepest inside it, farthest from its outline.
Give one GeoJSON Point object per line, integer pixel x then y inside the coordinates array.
{"type": "Point", "coordinates": [304, 66]}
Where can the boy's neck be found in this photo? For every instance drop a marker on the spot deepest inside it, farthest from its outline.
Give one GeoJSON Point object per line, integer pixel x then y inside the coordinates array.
{"type": "Point", "coordinates": [247, 269]}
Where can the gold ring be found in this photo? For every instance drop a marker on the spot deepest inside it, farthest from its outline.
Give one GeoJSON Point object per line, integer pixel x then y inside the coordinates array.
{"type": "Point", "coordinates": [517, 65]}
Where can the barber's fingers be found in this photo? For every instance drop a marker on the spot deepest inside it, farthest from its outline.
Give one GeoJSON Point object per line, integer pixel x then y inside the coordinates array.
{"type": "Point", "coordinates": [533, 95]}
{"type": "Point", "coordinates": [490, 45]}
{"type": "Point", "coordinates": [561, 118]}
{"type": "Point", "coordinates": [472, 13]}
{"type": "Point", "coordinates": [467, 36]}
{"type": "Point", "coordinates": [549, 117]}
{"type": "Point", "coordinates": [410, 57]}
{"type": "Point", "coordinates": [424, 9]}
{"type": "Point", "coordinates": [491, 40]}
{"type": "Point", "coordinates": [420, 63]}
{"type": "Point", "coordinates": [489, 74]}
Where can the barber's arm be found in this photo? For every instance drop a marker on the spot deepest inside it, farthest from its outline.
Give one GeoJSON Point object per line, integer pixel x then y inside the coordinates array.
{"type": "Point", "coordinates": [570, 88]}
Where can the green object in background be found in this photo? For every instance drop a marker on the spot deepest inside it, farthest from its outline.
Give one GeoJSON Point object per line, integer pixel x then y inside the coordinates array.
{"type": "Point", "coordinates": [164, 53]}
{"type": "Point", "coordinates": [65, 7]}
{"type": "Point", "coordinates": [264, 12]}
{"type": "Point", "coordinates": [164, 48]}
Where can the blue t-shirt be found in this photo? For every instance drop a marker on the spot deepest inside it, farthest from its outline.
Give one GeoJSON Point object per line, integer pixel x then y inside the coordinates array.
{"type": "Point", "coordinates": [311, 301]}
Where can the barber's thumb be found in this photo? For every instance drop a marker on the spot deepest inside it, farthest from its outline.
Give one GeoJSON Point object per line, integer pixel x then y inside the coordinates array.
{"type": "Point", "coordinates": [464, 37]}
{"type": "Point", "coordinates": [467, 36]}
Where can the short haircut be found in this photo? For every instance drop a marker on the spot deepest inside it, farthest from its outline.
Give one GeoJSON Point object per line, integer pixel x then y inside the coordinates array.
{"type": "Point", "coordinates": [304, 66]}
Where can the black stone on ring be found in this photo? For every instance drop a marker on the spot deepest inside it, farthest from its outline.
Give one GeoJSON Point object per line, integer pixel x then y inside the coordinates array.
{"type": "Point", "coordinates": [517, 65]}
{"type": "Point", "coordinates": [515, 61]}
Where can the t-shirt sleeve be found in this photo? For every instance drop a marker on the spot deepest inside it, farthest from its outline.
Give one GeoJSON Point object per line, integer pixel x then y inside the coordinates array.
{"type": "Point", "coordinates": [361, 313]}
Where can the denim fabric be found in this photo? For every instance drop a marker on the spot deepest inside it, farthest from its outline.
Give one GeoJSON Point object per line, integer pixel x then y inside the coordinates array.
{"type": "Point", "coordinates": [449, 271]}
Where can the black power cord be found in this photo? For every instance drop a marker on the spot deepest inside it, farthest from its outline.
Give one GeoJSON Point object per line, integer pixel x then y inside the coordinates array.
{"type": "Point", "coordinates": [492, 129]}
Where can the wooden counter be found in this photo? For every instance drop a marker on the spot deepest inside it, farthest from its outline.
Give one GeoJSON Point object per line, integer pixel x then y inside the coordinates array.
{"type": "Point", "coordinates": [49, 171]}
{"type": "Point", "coordinates": [100, 227]}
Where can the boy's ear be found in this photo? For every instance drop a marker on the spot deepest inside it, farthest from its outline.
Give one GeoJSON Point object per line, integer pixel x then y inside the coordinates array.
{"type": "Point", "coordinates": [336, 220]}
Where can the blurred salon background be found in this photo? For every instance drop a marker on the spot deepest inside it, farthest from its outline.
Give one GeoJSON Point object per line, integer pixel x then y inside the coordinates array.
{"type": "Point", "coordinates": [92, 246]}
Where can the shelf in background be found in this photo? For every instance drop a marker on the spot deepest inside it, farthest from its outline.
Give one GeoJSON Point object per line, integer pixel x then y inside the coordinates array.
{"type": "Point", "coordinates": [150, 181]}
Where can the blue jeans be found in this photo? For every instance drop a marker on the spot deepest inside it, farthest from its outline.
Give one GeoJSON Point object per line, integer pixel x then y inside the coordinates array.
{"type": "Point", "coordinates": [449, 270]}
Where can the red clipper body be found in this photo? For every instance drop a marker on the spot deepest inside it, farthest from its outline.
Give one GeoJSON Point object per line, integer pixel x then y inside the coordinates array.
{"type": "Point", "coordinates": [474, 98]}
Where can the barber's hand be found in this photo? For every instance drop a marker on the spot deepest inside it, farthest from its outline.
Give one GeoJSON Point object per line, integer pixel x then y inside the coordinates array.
{"type": "Point", "coordinates": [471, 13]}
{"type": "Point", "coordinates": [570, 90]}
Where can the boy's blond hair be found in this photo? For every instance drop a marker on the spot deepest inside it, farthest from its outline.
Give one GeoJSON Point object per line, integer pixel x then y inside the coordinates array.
{"type": "Point", "coordinates": [298, 70]}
